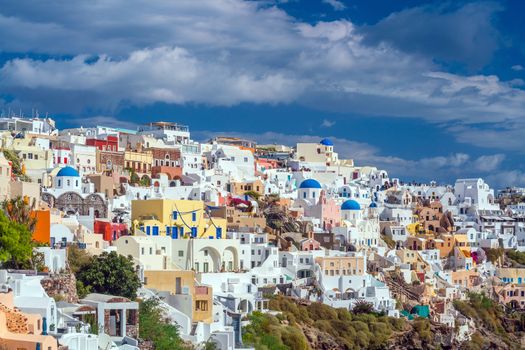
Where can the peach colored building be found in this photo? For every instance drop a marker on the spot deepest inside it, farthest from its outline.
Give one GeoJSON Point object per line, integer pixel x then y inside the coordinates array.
{"type": "Point", "coordinates": [465, 278]}
{"type": "Point", "coordinates": [430, 216]}
{"type": "Point", "coordinates": [513, 294]}
{"type": "Point", "coordinates": [342, 265]}
{"type": "Point", "coordinates": [21, 331]}
{"type": "Point", "coordinates": [240, 188]}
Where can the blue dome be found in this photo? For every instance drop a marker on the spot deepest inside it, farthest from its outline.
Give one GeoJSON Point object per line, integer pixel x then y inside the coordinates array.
{"type": "Point", "coordinates": [373, 205]}
{"type": "Point", "coordinates": [68, 171]}
{"type": "Point", "coordinates": [326, 142]}
{"type": "Point", "coordinates": [350, 205]}
{"type": "Point", "coordinates": [310, 183]}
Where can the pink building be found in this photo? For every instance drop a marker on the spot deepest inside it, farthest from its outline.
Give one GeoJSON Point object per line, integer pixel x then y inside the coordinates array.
{"type": "Point", "coordinates": [308, 244]}
{"type": "Point", "coordinates": [326, 210]}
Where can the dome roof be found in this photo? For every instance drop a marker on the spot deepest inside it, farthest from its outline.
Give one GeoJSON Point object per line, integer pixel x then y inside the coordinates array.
{"type": "Point", "coordinates": [310, 183]}
{"type": "Point", "coordinates": [373, 205]}
{"type": "Point", "coordinates": [68, 171]}
{"type": "Point", "coordinates": [350, 205]}
{"type": "Point", "coordinates": [326, 142]}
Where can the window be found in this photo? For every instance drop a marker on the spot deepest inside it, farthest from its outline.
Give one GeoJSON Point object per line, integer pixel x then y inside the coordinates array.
{"type": "Point", "coordinates": [181, 253]}
{"type": "Point", "coordinates": [194, 216]}
{"type": "Point", "coordinates": [201, 305]}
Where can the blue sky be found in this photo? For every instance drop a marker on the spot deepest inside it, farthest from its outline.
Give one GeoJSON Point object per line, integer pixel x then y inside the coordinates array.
{"type": "Point", "coordinates": [427, 90]}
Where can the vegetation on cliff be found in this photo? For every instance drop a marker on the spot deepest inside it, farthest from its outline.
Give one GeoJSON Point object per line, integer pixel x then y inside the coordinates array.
{"type": "Point", "coordinates": [318, 326]}
{"type": "Point", "coordinates": [496, 326]}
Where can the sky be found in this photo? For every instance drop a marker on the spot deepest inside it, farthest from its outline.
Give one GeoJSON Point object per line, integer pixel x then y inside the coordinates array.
{"type": "Point", "coordinates": [428, 90]}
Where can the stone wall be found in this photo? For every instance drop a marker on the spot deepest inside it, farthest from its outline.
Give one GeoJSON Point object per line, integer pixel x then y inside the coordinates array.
{"type": "Point", "coordinates": [62, 286]}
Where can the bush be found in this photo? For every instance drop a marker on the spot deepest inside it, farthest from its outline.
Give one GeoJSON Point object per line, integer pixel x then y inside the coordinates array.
{"type": "Point", "coordinates": [348, 329]}
{"type": "Point", "coordinates": [422, 327]}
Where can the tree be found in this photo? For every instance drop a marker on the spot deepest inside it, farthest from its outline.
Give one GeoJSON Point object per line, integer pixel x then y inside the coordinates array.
{"type": "Point", "coordinates": [77, 258]}
{"type": "Point", "coordinates": [155, 327]}
{"type": "Point", "coordinates": [110, 273]}
{"type": "Point", "coordinates": [16, 245]}
{"type": "Point", "coordinates": [18, 210]}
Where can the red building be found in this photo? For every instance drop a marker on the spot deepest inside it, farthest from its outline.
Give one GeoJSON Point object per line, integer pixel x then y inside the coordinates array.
{"type": "Point", "coordinates": [110, 231]}
{"type": "Point", "coordinates": [109, 144]}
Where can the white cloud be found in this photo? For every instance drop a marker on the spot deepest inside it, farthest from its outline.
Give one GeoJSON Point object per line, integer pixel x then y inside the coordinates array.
{"type": "Point", "coordinates": [506, 178]}
{"type": "Point", "coordinates": [164, 74]}
{"type": "Point", "coordinates": [327, 123]}
{"type": "Point", "coordinates": [336, 4]}
{"type": "Point", "coordinates": [517, 67]}
{"type": "Point", "coordinates": [183, 52]}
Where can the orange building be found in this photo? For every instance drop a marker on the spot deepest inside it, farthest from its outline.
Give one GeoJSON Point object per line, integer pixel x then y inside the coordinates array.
{"type": "Point", "coordinates": [42, 232]}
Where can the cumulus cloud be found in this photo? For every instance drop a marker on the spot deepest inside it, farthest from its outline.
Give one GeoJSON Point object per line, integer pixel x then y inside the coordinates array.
{"type": "Point", "coordinates": [507, 178]}
{"type": "Point", "coordinates": [446, 32]}
{"type": "Point", "coordinates": [517, 67]}
{"type": "Point", "coordinates": [336, 4]}
{"type": "Point", "coordinates": [122, 53]}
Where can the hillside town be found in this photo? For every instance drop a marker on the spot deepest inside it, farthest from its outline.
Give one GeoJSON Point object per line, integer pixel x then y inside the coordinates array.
{"type": "Point", "coordinates": [216, 233]}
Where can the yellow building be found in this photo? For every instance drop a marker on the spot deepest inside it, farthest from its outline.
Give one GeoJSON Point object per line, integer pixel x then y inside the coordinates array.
{"type": "Point", "coordinates": [139, 161]}
{"type": "Point", "coordinates": [176, 218]}
{"type": "Point", "coordinates": [191, 298]}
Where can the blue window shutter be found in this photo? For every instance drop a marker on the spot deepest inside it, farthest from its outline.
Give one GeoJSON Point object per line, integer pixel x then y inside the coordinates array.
{"type": "Point", "coordinates": [148, 230]}
{"type": "Point", "coordinates": [194, 216]}
{"type": "Point", "coordinates": [155, 230]}
{"type": "Point", "coordinates": [181, 232]}
{"type": "Point", "coordinates": [175, 215]}
{"type": "Point", "coordinates": [174, 233]}
{"type": "Point", "coordinates": [194, 232]}
{"type": "Point", "coordinates": [219, 232]}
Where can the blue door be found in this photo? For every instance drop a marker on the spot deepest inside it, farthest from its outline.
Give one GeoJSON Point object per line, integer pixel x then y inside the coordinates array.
{"type": "Point", "coordinates": [155, 230]}
{"type": "Point", "coordinates": [174, 232]}
{"type": "Point", "coordinates": [218, 232]}
{"type": "Point", "coordinates": [148, 230]}
{"type": "Point", "coordinates": [194, 232]}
